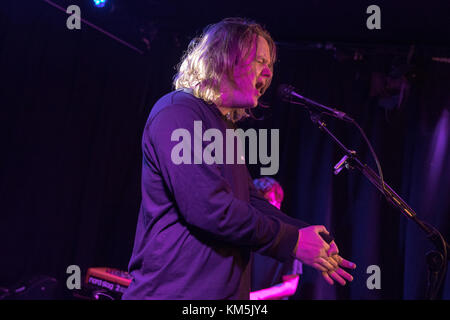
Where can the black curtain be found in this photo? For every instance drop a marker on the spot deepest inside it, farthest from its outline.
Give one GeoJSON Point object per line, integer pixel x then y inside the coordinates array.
{"type": "Point", "coordinates": [410, 140]}
{"type": "Point", "coordinates": [73, 106]}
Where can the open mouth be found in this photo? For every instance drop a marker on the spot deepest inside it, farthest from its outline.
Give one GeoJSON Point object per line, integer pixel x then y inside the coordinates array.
{"type": "Point", "coordinates": [260, 87]}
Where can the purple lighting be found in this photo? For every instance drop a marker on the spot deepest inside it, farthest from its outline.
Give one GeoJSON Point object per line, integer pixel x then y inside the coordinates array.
{"type": "Point", "coordinates": [437, 152]}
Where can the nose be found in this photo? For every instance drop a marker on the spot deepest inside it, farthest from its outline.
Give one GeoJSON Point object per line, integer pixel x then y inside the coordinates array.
{"type": "Point", "coordinates": [266, 72]}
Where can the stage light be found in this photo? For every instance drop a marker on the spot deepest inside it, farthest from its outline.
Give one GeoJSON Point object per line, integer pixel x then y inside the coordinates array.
{"type": "Point", "coordinates": [99, 3]}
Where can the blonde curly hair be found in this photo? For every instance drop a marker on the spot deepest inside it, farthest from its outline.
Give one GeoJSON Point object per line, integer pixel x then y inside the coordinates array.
{"type": "Point", "coordinates": [215, 54]}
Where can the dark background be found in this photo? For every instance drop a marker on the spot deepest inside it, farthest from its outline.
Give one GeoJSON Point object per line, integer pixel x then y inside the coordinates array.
{"type": "Point", "coordinates": [73, 104]}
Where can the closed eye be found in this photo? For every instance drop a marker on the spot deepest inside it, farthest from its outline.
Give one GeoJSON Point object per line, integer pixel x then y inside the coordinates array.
{"type": "Point", "coordinates": [262, 61]}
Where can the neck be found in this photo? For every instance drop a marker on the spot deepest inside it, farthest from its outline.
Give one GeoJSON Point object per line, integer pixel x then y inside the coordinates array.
{"type": "Point", "coordinates": [233, 114]}
{"type": "Point", "coordinates": [225, 110]}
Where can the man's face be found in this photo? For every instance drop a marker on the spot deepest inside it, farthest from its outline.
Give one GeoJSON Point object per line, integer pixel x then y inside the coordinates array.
{"type": "Point", "coordinates": [251, 75]}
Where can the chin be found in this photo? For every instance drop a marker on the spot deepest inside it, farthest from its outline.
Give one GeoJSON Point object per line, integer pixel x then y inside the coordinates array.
{"type": "Point", "coordinates": [245, 101]}
{"type": "Point", "coordinates": [254, 103]}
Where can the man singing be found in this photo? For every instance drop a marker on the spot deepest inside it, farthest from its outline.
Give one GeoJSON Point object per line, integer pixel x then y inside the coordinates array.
{"type": "Point", "coordinates": [199, 222]}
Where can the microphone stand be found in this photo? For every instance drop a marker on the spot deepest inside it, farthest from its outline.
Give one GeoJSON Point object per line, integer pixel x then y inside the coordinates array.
{"type": "Point", "coordinates": [436, 259]}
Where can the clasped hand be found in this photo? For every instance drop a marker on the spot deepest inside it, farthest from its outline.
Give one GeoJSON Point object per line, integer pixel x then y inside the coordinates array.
{"type": "Point", "coordinates": [312, 250]}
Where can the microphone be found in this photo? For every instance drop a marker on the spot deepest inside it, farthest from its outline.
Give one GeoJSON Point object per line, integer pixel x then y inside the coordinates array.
{"type": "Point", "coordinates": [287, 93]}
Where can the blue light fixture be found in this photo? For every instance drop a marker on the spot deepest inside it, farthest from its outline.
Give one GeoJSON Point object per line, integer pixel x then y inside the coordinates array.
{"type": "Point", "coordinates": [99, 3]}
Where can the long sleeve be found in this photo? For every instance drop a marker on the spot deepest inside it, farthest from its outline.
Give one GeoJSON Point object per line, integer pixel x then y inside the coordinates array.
{"type": "Point", "coordinates": [205, 199]}
{"type": "Point", "coordinates": [197, 224]}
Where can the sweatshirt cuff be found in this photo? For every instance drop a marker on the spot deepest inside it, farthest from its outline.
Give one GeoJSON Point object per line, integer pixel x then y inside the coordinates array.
{"type": "Point", "coordinates": [286, 245]}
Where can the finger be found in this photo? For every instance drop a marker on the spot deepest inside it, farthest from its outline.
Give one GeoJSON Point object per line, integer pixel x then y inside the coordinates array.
{"type": "Point", "coordinates": [333, 249]}
{"type": "Point", "coordinates": [346, 264]}
{"type": "Point", "coordinates": [333, 262]}
{"type": "Point", "coordinates": [344, 274]}
{"type": "Point", "coordinates": [321, 229]}
{"type": "Point", "coordinates": [337, 277]}
{"type": "Point", "coordinates": [319, 267]}
{"type": "Point", "coordinates": [326, 264]}
{"type": "Point", "coordinates": [325, 247]}
{"type": "Point", "coordinates": [327, 278]}
{"type": "Point", "coordinates": [342, 262]}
